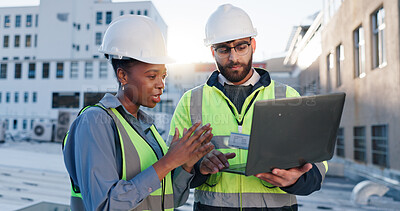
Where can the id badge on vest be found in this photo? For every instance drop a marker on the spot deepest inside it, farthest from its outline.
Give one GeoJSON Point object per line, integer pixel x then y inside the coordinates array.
{"type": "Point", "coordinates": [239, 140]}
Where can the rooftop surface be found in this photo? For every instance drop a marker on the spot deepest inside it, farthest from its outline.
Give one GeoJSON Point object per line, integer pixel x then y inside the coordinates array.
{"type": "Point", "coordinates": [33, 172]}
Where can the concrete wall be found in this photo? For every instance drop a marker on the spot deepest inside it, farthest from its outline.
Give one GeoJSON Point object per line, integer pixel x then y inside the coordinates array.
{"type": "Point", "coordinates": [373, 99]}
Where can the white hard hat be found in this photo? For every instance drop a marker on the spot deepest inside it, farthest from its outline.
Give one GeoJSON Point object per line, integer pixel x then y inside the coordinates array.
{"type": "Point", "coordinates": [137, 37]}
{"type": "Point", "coordinates": [228, 23]}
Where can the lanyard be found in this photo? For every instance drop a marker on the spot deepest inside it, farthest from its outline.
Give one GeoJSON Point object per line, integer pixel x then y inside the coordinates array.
{"type": "Point", "coordinates": [240, 123]}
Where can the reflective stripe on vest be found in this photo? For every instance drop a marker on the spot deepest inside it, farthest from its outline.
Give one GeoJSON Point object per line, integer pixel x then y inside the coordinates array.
{"type": "Point", "coordinates": [133, 149]}
{"type": "Point", "coordinates": [209, 105]}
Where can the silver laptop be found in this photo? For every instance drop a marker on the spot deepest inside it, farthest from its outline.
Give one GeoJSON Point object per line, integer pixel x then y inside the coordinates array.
{"type": "Point", "coordinates": [290, 132]}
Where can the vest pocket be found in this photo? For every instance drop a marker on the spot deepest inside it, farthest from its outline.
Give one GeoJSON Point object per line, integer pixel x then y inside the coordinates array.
{"type": "Point", "coordinates": [213, 179]}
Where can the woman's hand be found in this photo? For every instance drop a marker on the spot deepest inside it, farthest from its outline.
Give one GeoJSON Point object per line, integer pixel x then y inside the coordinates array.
{"type": "Point", "coordinates": [187, 150]}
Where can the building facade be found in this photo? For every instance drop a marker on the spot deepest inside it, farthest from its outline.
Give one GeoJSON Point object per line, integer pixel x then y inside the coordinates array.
{"type": "Point", "coordinates": [303, 54]}
{"type": "Point", "coordinates": [49, 59]}
{"type": "Point", "coordinates": [360, 56]}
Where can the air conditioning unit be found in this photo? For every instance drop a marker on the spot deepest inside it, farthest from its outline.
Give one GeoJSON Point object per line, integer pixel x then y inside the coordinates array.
{"type": "Point", "coordinates": [64, 121]}
{"type": "Point", "coordinates": [2, 131]}
{"type": "Point", "coordinates": [42, 131]}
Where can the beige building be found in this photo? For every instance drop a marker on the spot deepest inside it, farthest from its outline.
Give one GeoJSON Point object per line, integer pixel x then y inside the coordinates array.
{"type": "Point", "coordinates": [360, 56]}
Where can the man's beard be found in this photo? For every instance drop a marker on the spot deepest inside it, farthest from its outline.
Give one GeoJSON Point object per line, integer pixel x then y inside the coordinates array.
{"type": "Point", "coordinates": [235, 76]}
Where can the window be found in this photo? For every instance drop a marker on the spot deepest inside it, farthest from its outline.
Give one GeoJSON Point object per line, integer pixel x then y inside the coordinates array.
{"type": "Point", "coordinates": [339, 64]}
{"type": "Point", "coordinates": [132, 12]}
{"type": "Point", "coordinates": [98, 38]}
{"type": "Point", "coordinates": [359, 52]}
{"type": "Point", "coordinates": [165, 106]}
{"type": "Point", "coordinates": [26, 97]}
{"type": "Point", "coordinates": [87, 26]}
{"type": "Point", "coordinates": [6, 41]}
{"type": "Point", "coordinates": [3, 71]}
{"type": "Point", "coordinates": [65, 100]}
{"type": "Point", "coordinates": [0, 97]}
{"type": "Point", "coordinates": [380, 145]}
{"type": "Point", "coordinates": [28, 20]}
{"type": "Point", "coordinates": [87, 47]}
{"type": "Point", "coordinates": [60, 70]}
{"type": "Point", "coordinates": [18, 70]}
{"type": "Point", "coordinates": [28, 42]}
{"type": "Point", "coordinates": [15, 124]}
{"type": "Point", "coordinates": [340, 142]}
{"type": "Point", "coordinates": [7, 124]}
{"type": "Point", "coordinates": [329, 66]}
{"type": "Point", "coordinates": [7, 97]}
{"type": "Point", "coordinates": [36, 20]}
{"type": "Point", "coordinates": [145, 12]}
{"type": "Point", "coordinates": [16, 97]}
{"type": "Point", "coordinates": [7, 21]}
{"type": "Point", "coordinates": [34, 97]}
{"type": "Point", "coordinates": [138, 12]}
{"type": "Point", "coordinates": [378, 38]}
{"type": "Point", "coordinates": [99, 18]}
{"type": "Point", "coordinates": [16, 41]}
{"type": "Point", "coordinates": [17, 21]}
{"type": "Point", "coordinates": [78, 27]}
{"type": "Point", "coordinates": [35, 43]}
{"type": "Point", "coordinates": [108, 17]}
{"type": "Point", "coordinates": [360, 144]}
{"type": "Point", "coordinates": [121, 12]}
{"type": "Point", "coordinates": [88, 70]}
{"type": "Point", "coordinates": [91, 98]}
{"type": "Point", "coordinates": [103, 70]}
{"type": "Point", "coordinates": [45, 70]}
{"type": "Point", "coordinates": [24, 124]}
{"type": "Point", "coordinates": [74, 70]}
{"type": "Point", "coordinates": [32, 70]}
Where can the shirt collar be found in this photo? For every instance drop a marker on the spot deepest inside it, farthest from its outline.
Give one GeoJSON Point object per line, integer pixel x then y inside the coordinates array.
{"type": "Point", "coordinates": [111, 101]}
{"type": "Point", "coordinates": [252, 80]}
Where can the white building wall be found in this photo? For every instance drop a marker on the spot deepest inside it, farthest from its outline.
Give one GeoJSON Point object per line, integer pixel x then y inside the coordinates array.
{"type": "Point", "coordinates": [61, 27]}
{"type": "Point", "coordinates": [21, 52]}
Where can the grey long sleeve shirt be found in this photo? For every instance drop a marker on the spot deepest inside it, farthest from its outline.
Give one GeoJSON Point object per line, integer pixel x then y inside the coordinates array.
{"type": "Point", "coordinates": [92, 161]}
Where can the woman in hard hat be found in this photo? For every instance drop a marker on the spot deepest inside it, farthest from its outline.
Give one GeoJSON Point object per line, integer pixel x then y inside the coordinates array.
{"type": "Point", "coordinates": [114, 155]}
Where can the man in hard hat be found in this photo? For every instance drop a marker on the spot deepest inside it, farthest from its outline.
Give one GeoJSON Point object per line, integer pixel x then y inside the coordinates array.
{"type": "Point", "coordinates": [225, 101]}
{"type": "Point", "coordinates": [113, 153]}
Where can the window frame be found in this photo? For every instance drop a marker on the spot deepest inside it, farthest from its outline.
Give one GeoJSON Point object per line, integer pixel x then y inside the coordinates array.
{"type": "Point", "coordinates": [378, 45]}
{"type": "Point", "coordinates": [359, 52]}
{"type": "Point", "coordinates": [360, 143]}
{"type": "Point", "coordinates": [377, 153]}
{"type": "Point", "coordinates": [340, 146]}
{"type": "Point", "coordinates": [32, 70]}
{"type": "Point", "coordinates": [339, 63]}
{"type": "Point", "coordinates": [18, 71]}
{"type": "Point", "coordinates": [28, 22]}
{"type": "Point", "coordinates": [60, 70]}
{"type": "Point", "coordinates": [88, 70]}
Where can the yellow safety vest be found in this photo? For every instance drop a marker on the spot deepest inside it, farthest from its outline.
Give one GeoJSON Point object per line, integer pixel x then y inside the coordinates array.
{"type": "Point", "coordinates": [137, 155]}
{"type": "Point", "coordinates": [210, 105]}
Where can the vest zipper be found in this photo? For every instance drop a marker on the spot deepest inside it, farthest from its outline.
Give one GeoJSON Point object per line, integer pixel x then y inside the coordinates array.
{"type": "Point", "coordinates": [240, 181]}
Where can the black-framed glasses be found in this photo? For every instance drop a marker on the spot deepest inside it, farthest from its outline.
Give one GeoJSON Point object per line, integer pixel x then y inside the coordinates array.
{"type": "Point", "coordinates": [224, 51]}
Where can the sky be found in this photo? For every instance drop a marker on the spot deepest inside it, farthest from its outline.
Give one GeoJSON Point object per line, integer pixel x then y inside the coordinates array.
{"type": "Point", "coordinates": [186, 19]}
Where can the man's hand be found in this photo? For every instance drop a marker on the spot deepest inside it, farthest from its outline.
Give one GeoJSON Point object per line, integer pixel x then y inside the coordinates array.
{"type": "Point", "coordinates": [284, 178]}
{"type": "Point", "coordinates": [186, 150]}
{"type": "Point", "coordinates": [215, 161]}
